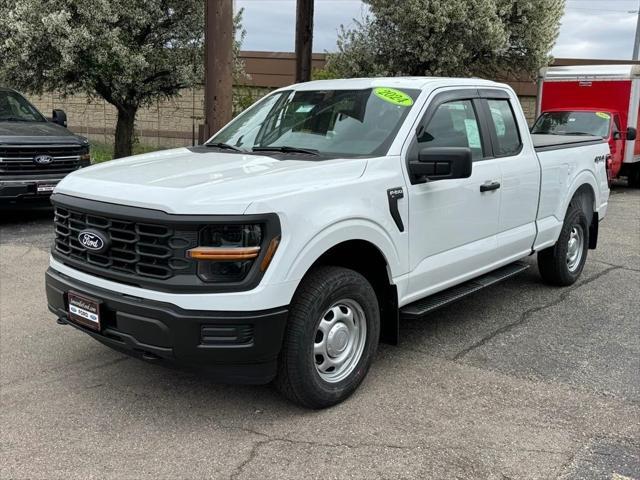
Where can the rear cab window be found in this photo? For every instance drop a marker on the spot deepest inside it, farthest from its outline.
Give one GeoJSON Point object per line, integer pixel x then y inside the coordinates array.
{"type": "Point", "coordinates": [507, 135]}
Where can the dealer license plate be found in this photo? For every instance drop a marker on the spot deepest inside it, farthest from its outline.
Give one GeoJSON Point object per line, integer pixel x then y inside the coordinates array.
{"type": "Point", "coordinates": [45, 187]}
{"type": "Point", "coordinates": [84, 310]}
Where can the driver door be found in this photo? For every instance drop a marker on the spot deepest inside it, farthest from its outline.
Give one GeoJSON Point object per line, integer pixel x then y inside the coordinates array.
{"type": "Point", "coordinates": [453, 224]}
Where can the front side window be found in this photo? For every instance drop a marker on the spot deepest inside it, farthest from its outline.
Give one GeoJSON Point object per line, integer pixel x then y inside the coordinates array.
{"type": "Point", "coordinates": [616, 127]}
{"type": "Point", "coordinates": [14, 108]}
{"type": "Point", "coordinates": [333, 123]}
{"type": "Point", "coordinates": [506, 127]}
{"type": "Point", "coordinates": [454, 124]}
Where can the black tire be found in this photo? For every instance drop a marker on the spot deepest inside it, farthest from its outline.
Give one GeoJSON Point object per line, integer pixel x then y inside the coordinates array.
{"type": "Point", "coordinates": [553, 263]}
{"type": "Point", "coordinates": [633, 179]}
{"type": "Point", "coordinates": [297, 378]}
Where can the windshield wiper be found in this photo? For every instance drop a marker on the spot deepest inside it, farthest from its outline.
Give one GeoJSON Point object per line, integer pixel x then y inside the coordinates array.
{"type": "Point", "coordinates": [14, 119]}
{"type": "Point", "coordinates": [223, 146]}
{"type": "Point", "coordinates": [579, 134]}
{"type": "Point", "coordinates": [286, 149]}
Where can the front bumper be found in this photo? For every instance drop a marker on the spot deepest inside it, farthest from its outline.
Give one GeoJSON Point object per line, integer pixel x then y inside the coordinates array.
{"type": "Point", "coordinates": [27, 188]}
{"type": "Point", "coordinates": [234, 347]}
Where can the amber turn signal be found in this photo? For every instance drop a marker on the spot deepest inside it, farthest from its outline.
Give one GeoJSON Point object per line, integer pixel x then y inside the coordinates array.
{"type": "Point", "coordinates": [223, 254]}
{"type": "Point", "coordinates": [271, 250]}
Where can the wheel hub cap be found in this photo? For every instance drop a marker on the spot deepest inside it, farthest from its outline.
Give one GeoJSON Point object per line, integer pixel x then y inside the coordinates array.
{"type": "Point", "coordinates": [575, 247]}
{"type": "Point", "coordinates": [340, 338]}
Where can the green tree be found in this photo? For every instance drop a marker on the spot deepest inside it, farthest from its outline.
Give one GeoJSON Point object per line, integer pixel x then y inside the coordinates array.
{"type": "Point", "coordinates": [449, 37]}
{"type": "Point", "coordinates": [128, 52]}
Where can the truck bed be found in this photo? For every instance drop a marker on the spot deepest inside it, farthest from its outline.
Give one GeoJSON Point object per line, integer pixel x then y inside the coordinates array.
{"type": "Point", "coordinates": [543, 143]}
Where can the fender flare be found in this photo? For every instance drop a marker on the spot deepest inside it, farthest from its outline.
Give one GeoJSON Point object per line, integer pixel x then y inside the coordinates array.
{"type": "Point", "coordinates": [340, 232]}
{"type": "Point", "coordinates": [585, 177]}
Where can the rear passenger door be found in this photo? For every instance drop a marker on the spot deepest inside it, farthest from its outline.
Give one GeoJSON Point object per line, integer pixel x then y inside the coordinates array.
{"type": "Point", "coordinates": [520, 171]}
{"type": "Point", "coordinates": [452, 223]}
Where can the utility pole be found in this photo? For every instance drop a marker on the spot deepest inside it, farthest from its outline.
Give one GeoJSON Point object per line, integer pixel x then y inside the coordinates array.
{"type": "Point", "coordinates": [304, 40]}
{"type": "Point", "coordinates": [636, 46]}
{"type": "Point", "coordinates": [218, 66]}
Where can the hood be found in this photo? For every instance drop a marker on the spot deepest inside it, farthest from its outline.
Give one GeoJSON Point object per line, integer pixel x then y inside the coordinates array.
{"type": "Point", "coordinates": [36, 132]}
{"type": "Point", "coordinates": [203, 181]}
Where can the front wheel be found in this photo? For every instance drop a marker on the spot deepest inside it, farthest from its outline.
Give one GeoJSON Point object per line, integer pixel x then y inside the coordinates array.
{"type": "Point", "coordinates": [562, 264]}
{"type": "Point", "coordinates": [331, 338]}
{"type": "Point", "coordinates": [633, 177]}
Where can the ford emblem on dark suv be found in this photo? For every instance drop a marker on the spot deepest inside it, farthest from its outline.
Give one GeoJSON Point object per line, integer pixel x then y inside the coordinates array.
{"type": "Point", "coordinates": [93, 241]}
{"type": "Point", "coordinates": [43, 159]}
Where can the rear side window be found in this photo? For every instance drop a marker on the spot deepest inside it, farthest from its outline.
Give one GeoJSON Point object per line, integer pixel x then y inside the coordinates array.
{"type": "Point", "coordinates": [506, 127]}
{"type": "Point", "coordinates": [454, 124]}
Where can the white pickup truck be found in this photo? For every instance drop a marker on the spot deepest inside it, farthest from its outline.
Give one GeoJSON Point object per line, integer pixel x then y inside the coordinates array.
{"type": "Point", "coordinates": [298, 237]}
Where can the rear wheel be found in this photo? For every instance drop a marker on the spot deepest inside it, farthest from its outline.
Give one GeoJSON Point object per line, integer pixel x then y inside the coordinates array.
{"type": "Point", "coordinates": [332, 336]}
{"type": "Point", "coordinates": [562, 264]}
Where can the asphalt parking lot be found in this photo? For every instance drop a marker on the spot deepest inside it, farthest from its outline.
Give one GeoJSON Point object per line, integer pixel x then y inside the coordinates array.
{"type": "Point", "coordinates": [521, 381]}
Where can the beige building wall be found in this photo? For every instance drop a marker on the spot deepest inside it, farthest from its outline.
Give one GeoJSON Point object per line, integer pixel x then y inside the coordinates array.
{"type": "Point", "coordinates": [529, 107]}
{"type": "Point", "coordinates": [165, 123]}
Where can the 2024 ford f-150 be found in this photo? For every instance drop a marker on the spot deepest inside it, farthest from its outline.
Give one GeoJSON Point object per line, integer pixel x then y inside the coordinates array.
{"type": "Point", "coordinates": [296, 238]}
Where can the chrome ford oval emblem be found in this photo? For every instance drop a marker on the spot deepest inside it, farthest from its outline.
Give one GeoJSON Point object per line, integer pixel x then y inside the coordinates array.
{"type": "Point", "coordinates": [43, 159]}
{"type": "Point", "coordinates": [93, 241]}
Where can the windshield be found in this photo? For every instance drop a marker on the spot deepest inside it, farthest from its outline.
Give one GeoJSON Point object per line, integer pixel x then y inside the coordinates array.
{"type": "Point", "coordinates": [573, 123]}
{"type": "Point", "coordinates": [14, 108]}
{"type": "Point", "coordinates": [326, 122]}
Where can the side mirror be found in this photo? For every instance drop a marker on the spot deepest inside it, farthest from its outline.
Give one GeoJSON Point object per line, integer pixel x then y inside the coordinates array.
{"type": "Point", "coordinates": [632, 133]}
{"type": "Point", "coordinates": [59, 117]}
{"type": "Point", "coordinates": [617, 135]}
{"type": "Point", "coordinates": [441, 163]}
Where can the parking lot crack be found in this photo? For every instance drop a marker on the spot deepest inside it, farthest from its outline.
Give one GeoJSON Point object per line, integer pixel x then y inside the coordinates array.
{"type": "Point", "coordinates": [253, 453]}
{"type": "Point", "coordinates": [268, 439]}
{"type": "Point", "coordinates": [528, 314]}
{"type": "Point", "coordinates": [622, 267]}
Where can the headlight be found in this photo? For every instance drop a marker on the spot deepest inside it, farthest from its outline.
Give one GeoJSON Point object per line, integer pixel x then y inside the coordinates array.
{"type": "Point", "coordinates": [226, 253]}
{"type": "Point", "coordinates": [85, 159]}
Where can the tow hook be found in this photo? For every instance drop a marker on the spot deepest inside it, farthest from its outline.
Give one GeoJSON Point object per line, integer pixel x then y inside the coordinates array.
{"type": "Point", "coordinates": [150, 357]}
{"type": "Point", "coordinates": [62, 321]}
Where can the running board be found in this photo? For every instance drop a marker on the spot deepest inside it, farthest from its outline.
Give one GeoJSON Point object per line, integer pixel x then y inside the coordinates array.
{"type": "Point", "coordinates": [421, 307]}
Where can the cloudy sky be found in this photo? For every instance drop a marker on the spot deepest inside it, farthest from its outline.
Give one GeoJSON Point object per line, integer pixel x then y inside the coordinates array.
{"type": "Point", "coordinates": [590, 28]}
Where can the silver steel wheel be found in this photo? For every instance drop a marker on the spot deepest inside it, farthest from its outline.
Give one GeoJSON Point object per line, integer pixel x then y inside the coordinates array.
{"type": "Point", "coordinates": [575, 247]}
{"type": "Point", "coordinates": [339, 342]}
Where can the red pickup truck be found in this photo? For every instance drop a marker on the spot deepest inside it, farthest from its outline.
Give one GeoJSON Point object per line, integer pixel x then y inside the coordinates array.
{"type": "Point", "coordinates": [602, 100]}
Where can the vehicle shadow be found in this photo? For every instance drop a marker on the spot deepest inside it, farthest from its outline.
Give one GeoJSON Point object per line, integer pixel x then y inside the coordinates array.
{"type": "Point", "coordinates": [24, 214]}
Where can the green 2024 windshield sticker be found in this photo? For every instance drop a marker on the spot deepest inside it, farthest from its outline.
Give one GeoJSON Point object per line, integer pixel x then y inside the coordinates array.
{"type": "Point", "coordinates": [394, 96]}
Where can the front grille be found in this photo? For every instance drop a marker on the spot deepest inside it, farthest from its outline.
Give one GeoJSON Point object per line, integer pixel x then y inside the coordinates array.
{"type": "Point", "coordinates": [138, 249]}
{"type": "Point", "coordinates": [19, 160]}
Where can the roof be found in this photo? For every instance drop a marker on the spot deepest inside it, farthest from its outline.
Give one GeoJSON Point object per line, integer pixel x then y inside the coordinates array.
{"type": "Point", "coordinates": [393, 82]}
{"type": "Point", "coordinates": [594, 72]}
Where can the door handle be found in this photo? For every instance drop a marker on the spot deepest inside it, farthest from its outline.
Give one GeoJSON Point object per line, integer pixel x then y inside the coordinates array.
{"type": "Point", "coordinates": [489, 186]}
